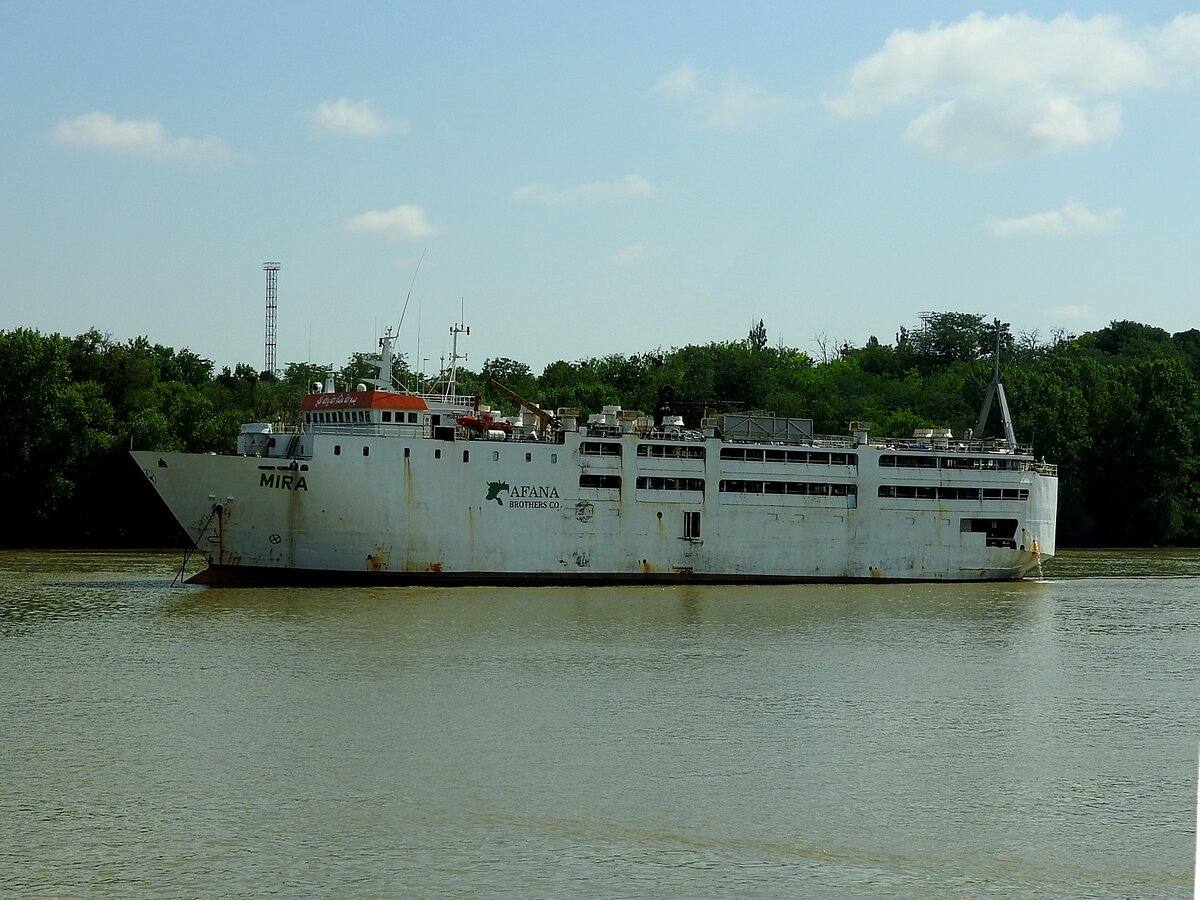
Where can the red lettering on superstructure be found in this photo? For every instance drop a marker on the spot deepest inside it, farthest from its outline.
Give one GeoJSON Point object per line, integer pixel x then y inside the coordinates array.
{"type": "Point", "coordinates": [361, 400]}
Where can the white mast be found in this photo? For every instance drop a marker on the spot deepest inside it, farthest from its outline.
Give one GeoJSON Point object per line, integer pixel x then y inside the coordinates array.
{"type": "Point", "coordinates": [384, 381]}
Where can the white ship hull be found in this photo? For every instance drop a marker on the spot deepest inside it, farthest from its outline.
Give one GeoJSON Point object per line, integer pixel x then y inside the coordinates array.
{"type": "Point", "coordinates": [395, 507]}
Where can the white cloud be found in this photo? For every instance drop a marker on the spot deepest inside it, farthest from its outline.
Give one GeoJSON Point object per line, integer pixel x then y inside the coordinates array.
{"type": "Point", "coordinates": [731, 105]}
{"type": "Point", "coordinates": [631, 255]}
{"type": "Point", "coordinates": [142, 138]}
{"type": "Point", "coordinates": [1000, 87]}
{"type": "Point", "coordinates": [1070, 220]}
{"type": "Point", "coordinates": [680, 82]}
{"type": "Point", "coordinates": [359, 119]}
{"type": "Point", "coordinates": [1179, 41]}
{"type": "Point", "coordinates": [631, 187]}
{"type": "Point", "coordinates": [979, 133]}
{"type": "Point", "coordinates": [402, 222]}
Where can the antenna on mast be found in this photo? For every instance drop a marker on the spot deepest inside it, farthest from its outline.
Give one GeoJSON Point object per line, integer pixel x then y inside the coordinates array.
{"type": "Point", "coordinates": [408, 297]}
{"type": "Point", "coordinates": [455, 330]}
{"type": "Point", "coordinates": [421, 375]}
{"type": "Point", "coordinates": [272, 270]}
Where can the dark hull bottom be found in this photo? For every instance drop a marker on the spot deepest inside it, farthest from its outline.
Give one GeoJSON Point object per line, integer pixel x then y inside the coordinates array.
{"type": "Point", "coordinates": [250, 576]}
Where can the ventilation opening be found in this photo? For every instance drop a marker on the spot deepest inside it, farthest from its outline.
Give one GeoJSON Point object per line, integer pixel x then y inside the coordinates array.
{"type": "Point", "coordinates": [997, 532]}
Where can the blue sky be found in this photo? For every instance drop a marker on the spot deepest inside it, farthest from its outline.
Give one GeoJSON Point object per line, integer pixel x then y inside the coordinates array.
{"type": "Point", "coordinates": [586, 179]}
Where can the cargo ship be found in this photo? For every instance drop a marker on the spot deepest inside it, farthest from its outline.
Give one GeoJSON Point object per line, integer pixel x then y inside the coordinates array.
{"type": "Point", "coordinates": [384, 485]}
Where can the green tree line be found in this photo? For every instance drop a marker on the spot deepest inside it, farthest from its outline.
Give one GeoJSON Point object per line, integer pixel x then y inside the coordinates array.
{"type": "Point", "coordinates": [1115, 408]}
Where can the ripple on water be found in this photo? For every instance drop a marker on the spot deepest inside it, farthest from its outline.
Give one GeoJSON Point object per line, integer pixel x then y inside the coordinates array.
{"type": "Point", "coordinates": [1034, 740]}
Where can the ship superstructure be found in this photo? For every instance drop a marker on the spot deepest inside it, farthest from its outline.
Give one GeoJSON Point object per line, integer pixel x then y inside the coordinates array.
{"type": "Point", "coordinates": [395, 486]}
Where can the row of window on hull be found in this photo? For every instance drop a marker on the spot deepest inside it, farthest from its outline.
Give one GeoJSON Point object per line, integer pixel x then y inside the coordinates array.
{"type": "Point", "coordinates": [737, 454]}
{"type": "Point", "coordinates": [804, 488]}
{"type": "Point", "coordinates": [728, 486]}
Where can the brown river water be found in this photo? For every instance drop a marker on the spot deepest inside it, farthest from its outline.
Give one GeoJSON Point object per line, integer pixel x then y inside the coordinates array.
{"type": "Point", "coordinates": [1036, 739]}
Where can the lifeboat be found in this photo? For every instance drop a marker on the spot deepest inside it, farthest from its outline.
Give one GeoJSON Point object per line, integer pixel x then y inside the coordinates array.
{"type": "Point", "coordinates": [485, 423]}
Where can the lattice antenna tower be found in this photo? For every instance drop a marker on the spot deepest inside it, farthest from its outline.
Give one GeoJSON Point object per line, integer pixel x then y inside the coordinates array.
{"type": "Point", "coordinates": [272, 270]}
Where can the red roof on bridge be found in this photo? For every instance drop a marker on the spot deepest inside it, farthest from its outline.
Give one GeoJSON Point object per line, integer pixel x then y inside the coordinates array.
{"type": "Point", "coordinates": [361, 400]}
